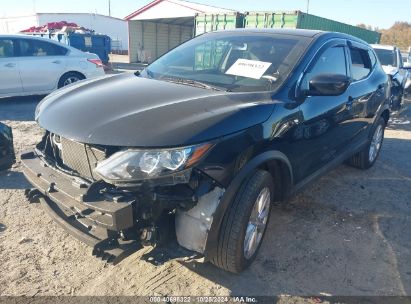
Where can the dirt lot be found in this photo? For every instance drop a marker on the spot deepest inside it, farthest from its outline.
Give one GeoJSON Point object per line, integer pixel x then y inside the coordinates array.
{"type": "Point", "coordinates": [347, 234]}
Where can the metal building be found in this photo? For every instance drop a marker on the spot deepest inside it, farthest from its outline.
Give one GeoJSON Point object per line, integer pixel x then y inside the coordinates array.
{"type": "Point", "coordinates": [115, 28]}
{"type": "Point", "coordinates": [161, 25]}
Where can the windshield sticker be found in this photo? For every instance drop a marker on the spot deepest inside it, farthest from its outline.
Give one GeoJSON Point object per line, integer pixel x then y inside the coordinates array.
{"type": "Point", "coordinates": [248, 68]}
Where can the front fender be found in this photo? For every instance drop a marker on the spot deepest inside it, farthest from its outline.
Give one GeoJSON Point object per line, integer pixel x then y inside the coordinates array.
{"type": "Point", "coordinates": [231, 191]}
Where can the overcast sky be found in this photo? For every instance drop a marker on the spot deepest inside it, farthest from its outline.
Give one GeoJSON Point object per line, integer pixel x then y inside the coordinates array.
{"type": "Point", "coordinates": [379, 13]}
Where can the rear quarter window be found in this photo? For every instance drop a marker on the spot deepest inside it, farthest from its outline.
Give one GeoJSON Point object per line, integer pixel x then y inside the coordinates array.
{"type": "Point", "coordinates": [361, 63]}
{"type": "Point", "coordinates": [37, 48]}
{"type": "Point", "coordinates": [373, 58]}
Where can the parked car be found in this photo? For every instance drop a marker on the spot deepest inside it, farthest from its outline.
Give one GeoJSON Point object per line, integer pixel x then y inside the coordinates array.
{"type": "Point", "coordinates": [7, 156]}
{"type": "Point", "coordinates": [37, 66]}
{"type": "Point", "coordinates": [404, 58]}
{"type": "Point", "coordinates": [407, 65]}
{"type": "Point", "coordinates": [205, 139]}
{"type": "Point", "coordinates": [392, 63]}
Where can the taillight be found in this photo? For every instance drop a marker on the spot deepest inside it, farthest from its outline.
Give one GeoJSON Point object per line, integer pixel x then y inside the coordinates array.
{"type": "Point", "coordinates": [97, 62]}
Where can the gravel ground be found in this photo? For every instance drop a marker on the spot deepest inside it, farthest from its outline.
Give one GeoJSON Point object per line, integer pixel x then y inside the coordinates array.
{"type": "Point", "coordinates": [347, 234]}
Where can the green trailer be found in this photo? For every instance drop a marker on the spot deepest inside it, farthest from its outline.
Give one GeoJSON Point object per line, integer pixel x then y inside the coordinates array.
{"type": "Point", "coordinates": [300, 20]}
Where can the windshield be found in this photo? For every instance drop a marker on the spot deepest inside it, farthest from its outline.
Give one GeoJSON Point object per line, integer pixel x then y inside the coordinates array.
{"type": "Point", "coordinates": [241, 62]}
{"type": "Point", "coordinates": [386, 57]}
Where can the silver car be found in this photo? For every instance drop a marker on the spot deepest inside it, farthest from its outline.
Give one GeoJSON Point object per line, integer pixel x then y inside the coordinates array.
{"type": "Point", "coordinates": [391, 60]}
{"type": "Point", "coordinates": [36, 66]}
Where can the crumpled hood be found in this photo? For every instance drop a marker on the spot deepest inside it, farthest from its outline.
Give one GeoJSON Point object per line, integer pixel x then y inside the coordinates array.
{"type": "Point", "coordinates": [126, 110]}
{"type": "Point", "coordinates": [390, 70]}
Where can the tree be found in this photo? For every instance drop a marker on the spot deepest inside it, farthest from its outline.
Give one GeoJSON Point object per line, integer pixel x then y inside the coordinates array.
{"type": "Point", "coordinates": [399, 34]}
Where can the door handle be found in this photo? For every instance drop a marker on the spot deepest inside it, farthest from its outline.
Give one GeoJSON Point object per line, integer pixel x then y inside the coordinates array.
{"type": "Point", "coordinates": [349, 102]}
{"type": "Point", "coordinates": [57, 61]}
{"type": "Point", "coordinates": [10, 65]}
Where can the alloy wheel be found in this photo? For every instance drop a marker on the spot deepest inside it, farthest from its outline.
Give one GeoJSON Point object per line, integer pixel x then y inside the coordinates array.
{"type": "Point", "coordinates": [257, 223]}
{"type": "Point", "coordinates": [376, 143]}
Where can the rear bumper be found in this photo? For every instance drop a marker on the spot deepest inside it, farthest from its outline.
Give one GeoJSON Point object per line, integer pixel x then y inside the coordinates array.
{"type": "Point", "coordinates": [80, 209]}
{"type": "Point", "coordinates": [94, 72]}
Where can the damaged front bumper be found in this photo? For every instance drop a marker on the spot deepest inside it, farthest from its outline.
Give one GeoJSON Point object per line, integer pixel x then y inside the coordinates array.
{"type": "Point", "coordinates": [80, 209]}
{"type": "Point", "coordinates": [117, 223]}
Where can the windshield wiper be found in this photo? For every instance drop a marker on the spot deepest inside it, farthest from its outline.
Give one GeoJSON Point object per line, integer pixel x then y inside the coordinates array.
{"type": "Point", "coordinates": [193, 83]}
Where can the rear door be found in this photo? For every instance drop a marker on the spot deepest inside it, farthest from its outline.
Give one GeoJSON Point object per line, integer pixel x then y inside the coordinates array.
{"type": "Point", "coordinates": [10, 82]}
{"type": "Point", "coordinates": [366, 93]}
{"type": "Point", "coordinates": [41, 64]}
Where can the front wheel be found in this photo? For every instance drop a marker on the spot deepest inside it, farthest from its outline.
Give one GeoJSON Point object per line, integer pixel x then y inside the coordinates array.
{"type": "Point", "coordinates": [367, 157]}
{"type": "Point", "coordinates": [244, 223]}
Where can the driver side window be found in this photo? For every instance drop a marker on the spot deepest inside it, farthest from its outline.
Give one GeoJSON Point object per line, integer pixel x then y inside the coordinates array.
{"type": "Point", "coordinates": [331, 61]}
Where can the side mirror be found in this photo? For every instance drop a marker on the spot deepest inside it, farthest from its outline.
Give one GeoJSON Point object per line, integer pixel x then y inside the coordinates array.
{"type": "Point", "coordinates": [328, 85]}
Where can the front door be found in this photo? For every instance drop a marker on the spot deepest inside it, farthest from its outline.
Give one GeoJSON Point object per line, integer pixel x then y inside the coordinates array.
{"type": "Point", "coordinates": [324, 118]}
{"type": "Point", "coordinates": [10, 82]}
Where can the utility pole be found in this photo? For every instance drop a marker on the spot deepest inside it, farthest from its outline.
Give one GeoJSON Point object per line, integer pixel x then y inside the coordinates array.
{"type": "Point", "coordinates": [308, 5]}
{"type": "Point", "coordinates": [109, 8]}
{"type": "Point", "coordinates": [34, 6]}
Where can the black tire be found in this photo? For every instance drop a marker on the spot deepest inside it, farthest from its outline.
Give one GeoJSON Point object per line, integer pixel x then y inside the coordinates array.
{"type": "Point", "coordinates": [362, 159]}
{"type": "Point", "coordinates": [73, 76]}
{"type": "Point", "coordinates": [230, 254]}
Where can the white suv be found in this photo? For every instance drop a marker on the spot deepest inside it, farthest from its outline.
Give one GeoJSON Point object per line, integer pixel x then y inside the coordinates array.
{"type": "Point", "coordinates": [36, 66]}
{"type": "Point", "coordinates": [391, 60]}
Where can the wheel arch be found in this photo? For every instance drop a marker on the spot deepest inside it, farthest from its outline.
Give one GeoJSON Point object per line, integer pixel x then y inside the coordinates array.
{"type": "Point", "coordinates": [276, 163]}
{"type": "Point", "coordinates": [68, 72]}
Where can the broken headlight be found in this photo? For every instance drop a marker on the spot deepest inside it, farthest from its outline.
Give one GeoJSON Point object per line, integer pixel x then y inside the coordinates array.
{"type": "Point", "coordinates": [133, 165]}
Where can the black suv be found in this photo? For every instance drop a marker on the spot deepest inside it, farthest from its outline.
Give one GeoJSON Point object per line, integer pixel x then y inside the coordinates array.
{"type": "Point", "coordinates": [200, 143]}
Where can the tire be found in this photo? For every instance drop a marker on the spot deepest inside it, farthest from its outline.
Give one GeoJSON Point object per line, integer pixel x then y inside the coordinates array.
{"type": "Point", "coordinates": [230, 254]}
{"type": "Point", "coordinates": [69, 78]}
{"type": "Point", "coordinates": [366, 158]}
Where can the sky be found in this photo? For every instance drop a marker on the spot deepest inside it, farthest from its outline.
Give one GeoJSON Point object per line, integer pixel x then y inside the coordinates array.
{"type": "Point", "coordinates": [377, 13]}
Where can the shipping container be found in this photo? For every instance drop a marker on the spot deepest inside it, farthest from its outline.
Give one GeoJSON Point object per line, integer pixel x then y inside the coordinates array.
{"type": "Point", "coordinates": [300, 20]}
{"type": "Point", "coordinates": [214, 22]}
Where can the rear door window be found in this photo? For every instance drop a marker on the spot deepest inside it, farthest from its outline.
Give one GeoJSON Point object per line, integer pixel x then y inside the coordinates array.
{"type": "Point", "coordinates": [37, 48]}
{"type": "Point", "coordinates": [361, 64]}
{"type": "Point", "coordinates": [7, 48]}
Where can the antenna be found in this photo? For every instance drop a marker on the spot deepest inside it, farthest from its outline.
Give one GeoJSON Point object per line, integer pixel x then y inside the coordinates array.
{"type": "Point", "coordinates": [109, 8]}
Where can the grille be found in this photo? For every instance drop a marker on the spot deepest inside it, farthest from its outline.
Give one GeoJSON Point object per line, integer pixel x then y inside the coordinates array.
{"type": "Point", "coordinates": [80, 157]}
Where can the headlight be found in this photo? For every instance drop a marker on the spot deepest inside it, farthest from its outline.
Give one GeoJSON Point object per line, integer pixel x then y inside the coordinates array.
{"type": "Point", "coordinates": [133, 165]}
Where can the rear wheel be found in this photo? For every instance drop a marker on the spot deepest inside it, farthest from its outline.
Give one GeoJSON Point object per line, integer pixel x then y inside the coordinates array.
{"type": "Point", "coordinates": [367, 157]}
{"type": "Point", "coordinates": [244, 223]}
{"type": "Point", "coordinates": [69, 78]}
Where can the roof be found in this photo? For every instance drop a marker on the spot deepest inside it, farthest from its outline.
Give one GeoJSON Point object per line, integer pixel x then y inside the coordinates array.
{"type": "Point", "coordinates": [173, 9]}
{"type": "Point", "coordinates": [17, 36]}
{"type": "Point", "coordinates": [35, 14]}
{"type": "Point", "coordinates": [293, 32]}
{"type": "Point", "coordinates": [383, 47]}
